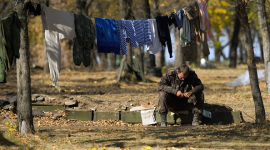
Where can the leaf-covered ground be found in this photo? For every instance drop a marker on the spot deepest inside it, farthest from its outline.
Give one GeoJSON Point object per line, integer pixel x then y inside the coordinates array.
{"type": "Point", "coordinates": [99, 90]}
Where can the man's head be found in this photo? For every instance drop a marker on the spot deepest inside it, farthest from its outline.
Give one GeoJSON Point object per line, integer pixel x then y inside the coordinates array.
{"type": "Point", "coordinates": [182, 71]}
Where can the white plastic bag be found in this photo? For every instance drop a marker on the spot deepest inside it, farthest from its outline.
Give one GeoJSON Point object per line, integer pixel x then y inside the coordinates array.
{"type": "Point", "coordinates": [244, 79]}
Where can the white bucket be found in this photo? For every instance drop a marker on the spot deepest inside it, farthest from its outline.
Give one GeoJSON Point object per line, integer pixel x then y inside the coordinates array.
{"type": "Point", "coordinates": [148, 117]}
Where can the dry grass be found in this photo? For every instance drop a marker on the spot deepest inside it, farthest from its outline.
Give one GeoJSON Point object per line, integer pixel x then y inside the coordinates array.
{"type": "Point", "coordinates": [89, 87]}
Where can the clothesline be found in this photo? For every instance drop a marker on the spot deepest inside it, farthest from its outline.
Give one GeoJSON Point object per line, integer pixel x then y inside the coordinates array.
{"type": "Point", "coordinates": [113, 34]}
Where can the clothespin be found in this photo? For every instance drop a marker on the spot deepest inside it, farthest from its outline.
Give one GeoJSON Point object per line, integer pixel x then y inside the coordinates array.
{"type": "Point", "coordinates": [174, 10]}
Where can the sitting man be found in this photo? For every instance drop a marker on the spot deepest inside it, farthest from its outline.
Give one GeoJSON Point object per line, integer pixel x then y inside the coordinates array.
{"type": "Point", "coordinates": [176, 94]}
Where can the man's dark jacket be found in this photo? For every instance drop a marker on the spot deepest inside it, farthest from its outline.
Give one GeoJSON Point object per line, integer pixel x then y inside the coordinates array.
{"type": "Point", "coordinates": [170, 83]}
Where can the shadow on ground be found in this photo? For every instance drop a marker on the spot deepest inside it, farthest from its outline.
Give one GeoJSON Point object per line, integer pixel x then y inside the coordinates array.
{"type": "Point", "coordinates": [245, 135]}
{"type": "Point", "coordinates": [4, 142]}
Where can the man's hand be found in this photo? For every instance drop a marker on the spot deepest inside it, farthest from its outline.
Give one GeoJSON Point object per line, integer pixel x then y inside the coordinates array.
{"type": "Point", "coordinates": [180, 94]}
{"type": "Point", "coordinates": [187, 94]}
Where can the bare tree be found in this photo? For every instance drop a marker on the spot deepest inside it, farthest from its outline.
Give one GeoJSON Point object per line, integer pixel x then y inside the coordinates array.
{"type": "Point", "coordinates": [262, 17]}
{"type": "Point", "coordinates": [24, 105]}
{"type": "Point", "coordinates": [179, 57]}
{"type": "Point", "coordinates": [143, 13]}
{"type": "Point", "coordinates": [234, 43]}
{"type": "Point", "coordinates": [160, 56]}
{"type": "Point", "coordinates": [254, 84]}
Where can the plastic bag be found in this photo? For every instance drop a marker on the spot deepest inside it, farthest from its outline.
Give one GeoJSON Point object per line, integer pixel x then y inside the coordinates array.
{"type": "Point", "coordinates": [244, 79]}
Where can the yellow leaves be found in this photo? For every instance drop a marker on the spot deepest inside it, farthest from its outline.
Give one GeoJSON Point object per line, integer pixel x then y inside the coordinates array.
{"type": "Point", "coordinates": [220, 11]}
{"type": "Point", "coordinates": [147, 147]}
{"type": "Point", "coordinates": [12, 127]}
{"type": "Point", "coordinates": [7, 123]}
{"type": "Point", "coordinates": [224, 3]}
{"type": "Point", "coordinates": [35, 31]}
{"type": "Point", "coordinates": [220, 15]}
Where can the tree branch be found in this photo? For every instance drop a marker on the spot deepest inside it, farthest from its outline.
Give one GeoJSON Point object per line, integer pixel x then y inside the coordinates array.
{"type": "Point", "coordinates": [88, 3]}
{"type": "Point", "coordinates": [225, 45]}
{"type": "Point", "coordinates": [253, 14]}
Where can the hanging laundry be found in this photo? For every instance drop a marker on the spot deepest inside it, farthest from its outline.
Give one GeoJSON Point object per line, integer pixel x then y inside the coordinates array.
{"type": "Point", "coordinates": [121, 35]}
{"type": "Point", "coordinates": [164, 32]}
{"type": "Point", "coordinates": [143, 31]}
{"type": "Point", "coordinates": [172, 20]}
{"type": "Point", "coordinates": [32, 10]}
{"type": "Point", "coordinates": [130, 33]}
{"type": "Point", "coordinates": [205, 23]}
{"type": "Point", "coordinates": [179, 18]}
{"type": "Point", "coordinates": [190, 50]}
{"type": "Point", "coordinates": [185, 38]}
{"type": "Point", "coordinates": [57, 25]}
{"type": "Point", "coordinates": [9, 42]}
{"type": "Point", "coordinates": [84, 41]}
{"type": "Point", "coordinates": [107, 36]}
{"type": "Point", "coordinates": [193, 15]}
{"type": "Point", "coordinates": [156, 46]}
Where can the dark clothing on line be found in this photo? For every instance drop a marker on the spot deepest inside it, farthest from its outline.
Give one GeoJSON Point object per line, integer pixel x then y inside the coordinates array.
{"type": "Point", "coordinates": [164, 32]}
{"type": "Point", "coordinates": [9, 42]}
{"type": "Point", "coordinates": [84, 41]}
{"type": "Point", "coordinates": [193, 15]}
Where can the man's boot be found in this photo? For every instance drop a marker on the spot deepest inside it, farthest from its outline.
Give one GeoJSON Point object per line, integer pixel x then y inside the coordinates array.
{"type": "Point", "coordinates": [163, 117]}
{"type": "Point", "coordinates": [197, 119]}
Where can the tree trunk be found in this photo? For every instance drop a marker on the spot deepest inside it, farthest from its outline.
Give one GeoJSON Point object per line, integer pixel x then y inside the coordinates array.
{"type": "Point", "coordinates": [160, 56]}
{"type": "Point", "coordinates": [24, 105]}
{"type": "Point", "coordinates": [46, 63]}
{"type": "Point", "coordinates": [142, 12]}
{"type": "Point", "coordinates": [254, 84]}
{"type": "Point", "coordinates": [128, 65]}
{"type": "Point", "coordinates": [128, 15]}
{"type": "Point", "coordinates": [242, 41]}
{"type": "Point", "coordinates": [146, 14]}
{"type": "Point", "coordinates": [83, 6]}
{"type": "Point", "coordinates": [217, 51]}
{"type": "Point", "coordinates": [112, 63]}
{"type": "Point", "coordinates": [261, 48]}
{"type": "Point", "coordinates": [5, 8]}
{"type": "Point", "coordinates": [234, 43]}
{"type": "Point", "coordinates": [241, 50]}
{"type": "Point", "coordinates": [103, 64]}
{"type": "Point", "coordinates": [262, 16]}
{"type": "Point", "coordinates": [179, 57]}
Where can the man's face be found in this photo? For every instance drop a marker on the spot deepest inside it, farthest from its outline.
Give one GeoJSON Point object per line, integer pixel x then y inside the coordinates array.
{"type": "Point", "coordinates": [181, 76]}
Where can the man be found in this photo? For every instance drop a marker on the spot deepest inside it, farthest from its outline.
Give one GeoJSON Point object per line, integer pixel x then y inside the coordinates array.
{"type": "Point", "coordinates": [176, 94]}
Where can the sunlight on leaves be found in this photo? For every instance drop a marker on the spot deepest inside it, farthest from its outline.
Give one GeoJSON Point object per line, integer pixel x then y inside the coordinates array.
{"type": "Point", "coordinates": [12, 127]}
{"type": "Point", "coordinates": [148, 147]}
